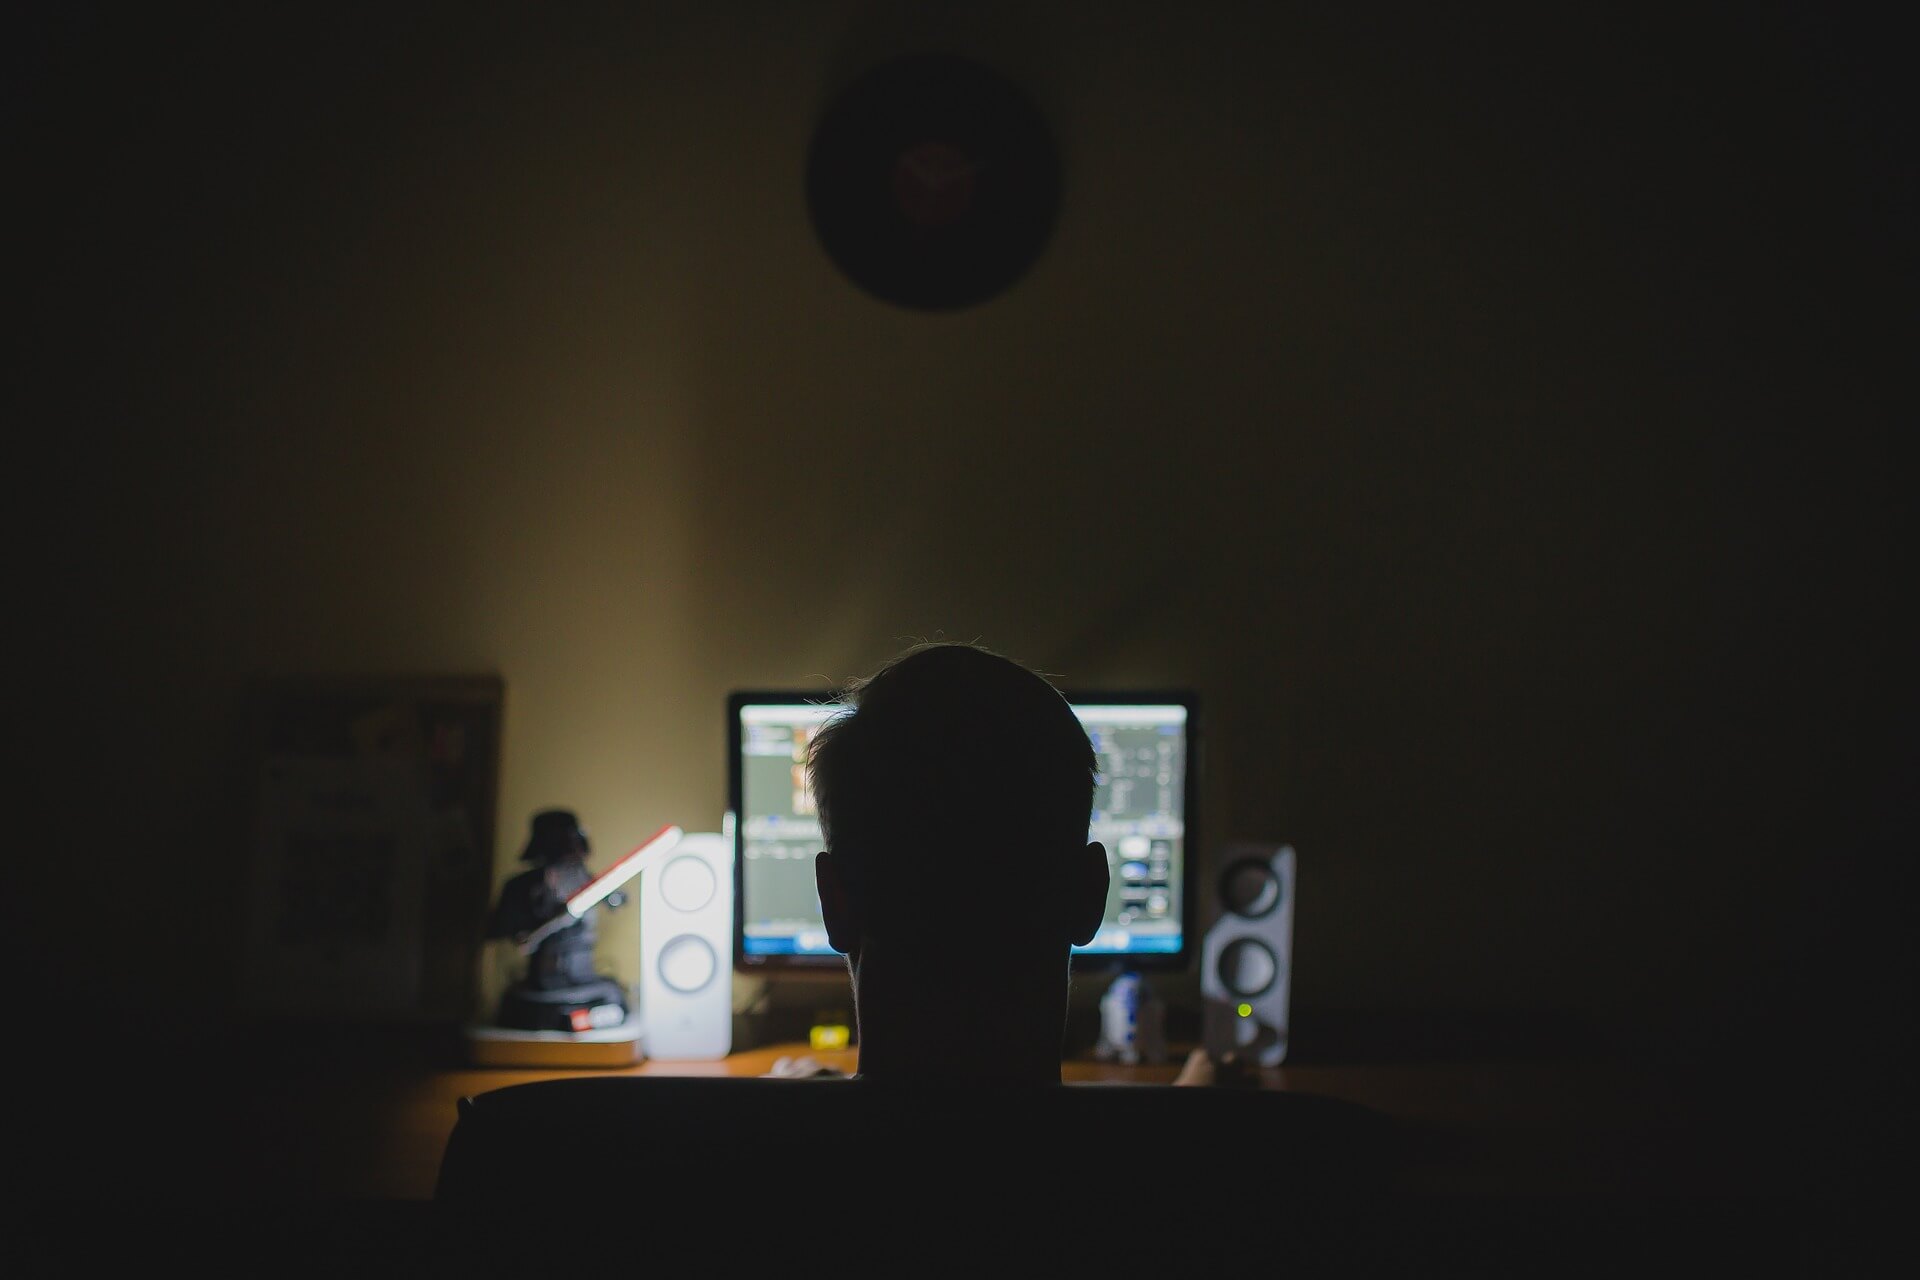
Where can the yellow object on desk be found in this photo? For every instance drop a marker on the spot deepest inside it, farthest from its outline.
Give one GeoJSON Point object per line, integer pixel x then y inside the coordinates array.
{"type": "Point", "coordinates": [829, 1035]}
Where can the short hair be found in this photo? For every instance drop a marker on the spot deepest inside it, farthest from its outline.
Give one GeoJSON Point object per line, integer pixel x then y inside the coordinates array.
{"type": "Point", "coordinates": [954, 776]}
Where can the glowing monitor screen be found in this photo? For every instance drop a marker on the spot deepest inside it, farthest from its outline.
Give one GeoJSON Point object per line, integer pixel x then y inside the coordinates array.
{"type": "Point", "coordinates": [1143, 745]}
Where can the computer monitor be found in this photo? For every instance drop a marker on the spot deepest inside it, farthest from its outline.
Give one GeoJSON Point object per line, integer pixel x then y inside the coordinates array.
{"type": "Point", "coordinates": [1143, 812]}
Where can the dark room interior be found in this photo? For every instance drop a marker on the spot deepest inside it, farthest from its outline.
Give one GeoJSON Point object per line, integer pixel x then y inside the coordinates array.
{"type": "Point", "coordinates": [1489, 413]}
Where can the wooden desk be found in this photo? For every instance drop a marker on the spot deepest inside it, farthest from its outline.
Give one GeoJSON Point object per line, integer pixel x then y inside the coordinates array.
{"type": "Point", "coordinates": [377, 1129]}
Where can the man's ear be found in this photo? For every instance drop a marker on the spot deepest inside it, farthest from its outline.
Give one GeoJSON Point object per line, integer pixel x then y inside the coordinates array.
{"type": "Point", "coordinates": [1087, 893]}
{"type": "Point", "coordinates": [836, 905]}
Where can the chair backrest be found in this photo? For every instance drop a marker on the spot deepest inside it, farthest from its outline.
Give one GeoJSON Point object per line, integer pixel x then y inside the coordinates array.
{"type": "Point", "coordinates": [651, 1140]}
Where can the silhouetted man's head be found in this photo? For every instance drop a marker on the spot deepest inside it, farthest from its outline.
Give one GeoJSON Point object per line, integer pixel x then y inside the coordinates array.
{"type": "Point", "coordinates": [955, 796]}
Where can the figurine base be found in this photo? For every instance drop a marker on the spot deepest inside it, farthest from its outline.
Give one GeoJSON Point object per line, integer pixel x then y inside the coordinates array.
{"type": "Point", "coordinates": [511, 1047]}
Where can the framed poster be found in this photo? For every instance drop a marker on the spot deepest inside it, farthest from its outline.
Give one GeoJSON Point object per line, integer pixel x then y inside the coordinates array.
{"type": "Point", "coordinates": [373, 847]}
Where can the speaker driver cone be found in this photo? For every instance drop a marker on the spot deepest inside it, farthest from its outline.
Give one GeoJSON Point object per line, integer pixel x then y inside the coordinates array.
{"type": "Point", "coordinates": [1248, 967]}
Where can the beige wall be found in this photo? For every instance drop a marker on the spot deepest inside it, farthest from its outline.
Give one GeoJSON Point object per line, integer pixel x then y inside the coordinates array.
{"type": "Point", "coordinates": [1400, 387]}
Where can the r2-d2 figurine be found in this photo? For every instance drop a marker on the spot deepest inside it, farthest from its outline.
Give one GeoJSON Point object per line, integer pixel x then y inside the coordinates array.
{"type": "Point", "coordinates": [1132, 1023]}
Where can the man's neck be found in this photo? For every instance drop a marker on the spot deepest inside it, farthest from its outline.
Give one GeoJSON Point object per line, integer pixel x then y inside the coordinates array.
{"type": "Point", "coordinates": [1006, 1031]}
{"type": "Point", "coordinates": [957, 1054]}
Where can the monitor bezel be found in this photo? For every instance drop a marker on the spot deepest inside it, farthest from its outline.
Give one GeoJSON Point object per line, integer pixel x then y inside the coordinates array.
{"type": "Point", "coordinates": [1083, 961]}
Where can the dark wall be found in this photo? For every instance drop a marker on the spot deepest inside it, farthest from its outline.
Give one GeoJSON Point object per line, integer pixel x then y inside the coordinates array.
{"type": "Point", "coordinates": [1491, 415]}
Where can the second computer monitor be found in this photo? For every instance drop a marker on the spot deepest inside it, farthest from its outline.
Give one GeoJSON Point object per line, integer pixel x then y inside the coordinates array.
{"type": "Point", "coordinates": [1144, 748]}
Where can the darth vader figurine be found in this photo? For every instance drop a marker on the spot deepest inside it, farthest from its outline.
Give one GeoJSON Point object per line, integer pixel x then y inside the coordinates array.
{"type": "Point", "coordinates": [560, 990]}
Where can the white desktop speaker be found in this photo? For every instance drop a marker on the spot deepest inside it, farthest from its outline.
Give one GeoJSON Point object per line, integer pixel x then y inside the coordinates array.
{"type": "Point", "coordinates": [686, 950]}
{"type": "Point", "coordinates": [1247, 959]}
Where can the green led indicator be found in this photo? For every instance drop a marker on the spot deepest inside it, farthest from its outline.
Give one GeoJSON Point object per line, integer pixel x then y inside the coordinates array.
{"type": "Point", "coordinates": [1246, 1010]}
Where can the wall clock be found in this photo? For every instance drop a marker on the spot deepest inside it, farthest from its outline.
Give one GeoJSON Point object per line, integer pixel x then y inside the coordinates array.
{"type": "Point", "coordinates": [932, 182]}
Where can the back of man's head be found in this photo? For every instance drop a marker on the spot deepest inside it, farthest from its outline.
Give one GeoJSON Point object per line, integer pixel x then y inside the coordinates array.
{"type": "Point", "coordinates": [954, 796]}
